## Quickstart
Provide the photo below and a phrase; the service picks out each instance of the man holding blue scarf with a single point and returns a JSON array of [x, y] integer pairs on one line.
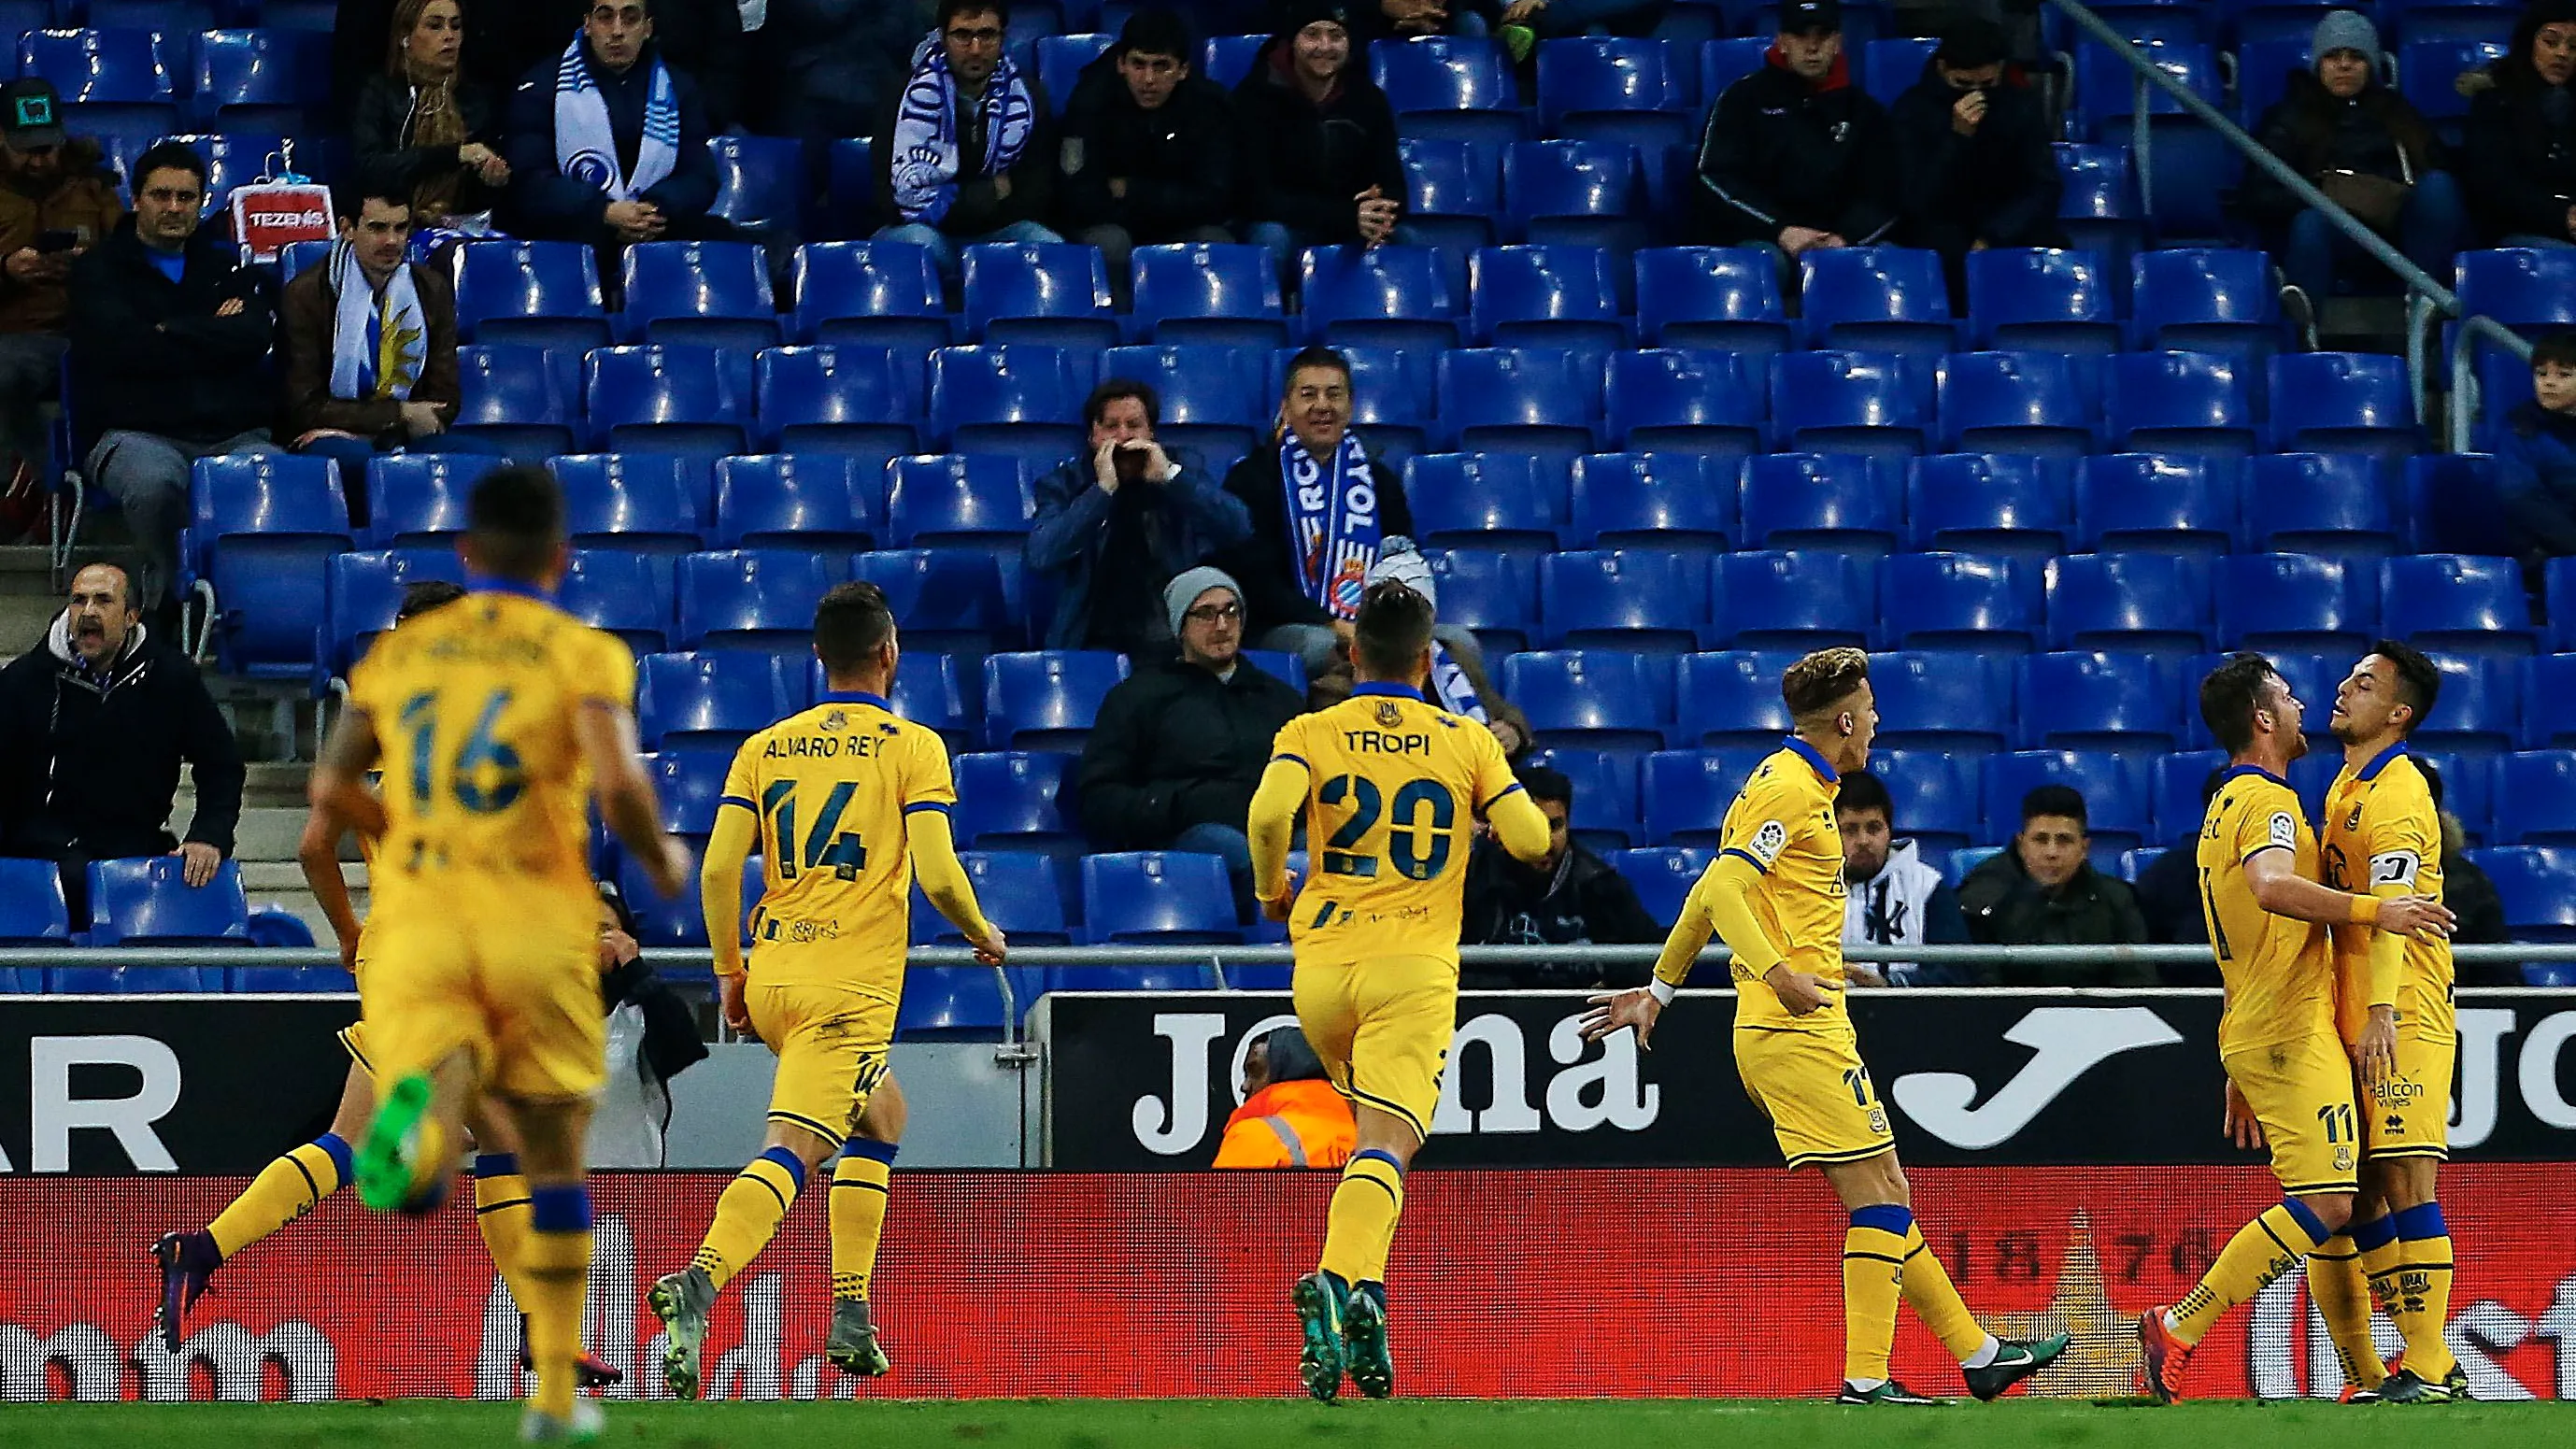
[[608, 143], [967, 152]]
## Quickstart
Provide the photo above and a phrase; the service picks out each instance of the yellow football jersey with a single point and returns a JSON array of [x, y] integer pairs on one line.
[[483, 780], [830, 789], [2279, 971], [1394, 786], [2382, 832], [1783, 822]]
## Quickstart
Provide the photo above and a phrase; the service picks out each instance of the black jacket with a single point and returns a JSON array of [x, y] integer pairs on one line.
[[1175, 746], [2518, 149], [1583, 900], [1779, 152], [2168, 893], [1178, 523], [2005, 907], [2375, 133], [151, 355], [2472, 897], [1265, 563], [1304, 165], [549, 204], [382, 137], [89, 764], [702, 37], [1177, 160], [977, 210], [1999, 185]]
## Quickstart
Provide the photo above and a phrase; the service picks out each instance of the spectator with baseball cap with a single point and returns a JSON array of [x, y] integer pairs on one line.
[[1796, 156], [1972, 149], [57, 200]]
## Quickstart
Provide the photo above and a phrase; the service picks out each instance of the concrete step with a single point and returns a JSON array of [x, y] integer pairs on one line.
[[286, 877], [268, 833]]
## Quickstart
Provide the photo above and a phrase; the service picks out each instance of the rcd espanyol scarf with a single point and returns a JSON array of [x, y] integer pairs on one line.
[[926, 161]]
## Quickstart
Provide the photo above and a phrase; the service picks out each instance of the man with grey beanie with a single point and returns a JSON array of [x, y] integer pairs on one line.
[[1179, 746]]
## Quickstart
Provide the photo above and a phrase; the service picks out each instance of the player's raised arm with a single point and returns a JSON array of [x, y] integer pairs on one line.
[[1272, 822], [605, 732], [2279, 888]]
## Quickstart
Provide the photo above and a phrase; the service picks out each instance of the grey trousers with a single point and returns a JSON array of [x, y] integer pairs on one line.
[[31, 375], [147, 475]]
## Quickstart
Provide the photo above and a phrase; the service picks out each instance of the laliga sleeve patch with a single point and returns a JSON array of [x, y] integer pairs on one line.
[[1768, 842], [2395, 867], [2285, 830]]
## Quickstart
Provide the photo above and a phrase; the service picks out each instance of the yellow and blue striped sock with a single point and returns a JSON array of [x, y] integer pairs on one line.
[[860, 1183], [285, 1190], [749, 1212]]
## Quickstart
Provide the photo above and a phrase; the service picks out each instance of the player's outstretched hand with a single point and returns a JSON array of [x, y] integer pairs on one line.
[[992, 950], [2238, 1123], [1613, 1011], [2422, 917], [1799, 991], [668, 868], [2375, 1054]]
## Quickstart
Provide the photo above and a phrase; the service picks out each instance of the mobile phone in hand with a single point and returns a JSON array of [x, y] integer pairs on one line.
[[57, 240]]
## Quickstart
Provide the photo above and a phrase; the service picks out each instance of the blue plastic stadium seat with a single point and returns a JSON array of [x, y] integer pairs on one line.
[[1020, 892], [2155, 603], [2042, 299], [2177, 402], [108, 78], [2535, 799], [2343, 402], [1456, 88], [1053, 293], [620, 592], [2454, 503], [1592, 699], [2549, 683], [680, 921], [823, 501], [1385, 296], [1725, 61], [2538, 884], [518, 398], [1679, 502], [2480, 711], [954, 499], [2177, 782], [1153, 897], [1962, 601], [1703, 402], [1833, 502], [711, 294], [1604, 815], [1489, 501], [826, 399], [1846, 402], [1540, 401], [1687, 792], [2297, 602], [2114, 787], [688, 784], [1216, 401], [2468, 789], [31, 907], [760, 182], [2010, 506], [422, 504], [1615, 90], [361, 591], [2428, 73], [265, 526], [1959, 703], [1791, 600], [1878, 299], [2486, 20], [2530, 289], [957, 1003], [539, 293], [1018, 800], [2098, 204], [1394, 402], [1585, 193], [1889, 66], [2263, 67], [613, 501], [1644, 599], [712, 700], [2194, 167], [1454, 191], [2156, 503], [2457, 604], [1663, 876], [1219, 296], [260, 80], [1061, 59], [753, 598], [870, 294], [145, 902], [1935, 794], [1227, 59], [2014, 402], [1546, 296], [2119, 703], [1719, 298], [2199, 299], [1046, 700], [1730, 700], [946, 599], [668, 399], [2330, 503], [1493, 594], [1024, 401]]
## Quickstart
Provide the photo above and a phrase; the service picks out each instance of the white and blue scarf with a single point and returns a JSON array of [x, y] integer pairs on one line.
[[1334, 521], [379, 344], [585, 142], [927, 158]]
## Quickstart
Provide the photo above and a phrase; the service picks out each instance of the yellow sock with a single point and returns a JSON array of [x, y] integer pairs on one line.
[[1873, 1278], [2422, 1303], [1361, 1227], [1929, 1292], [2380, 1257], [2342, 1296], [2261, 1251], [501, 1213], [557, 1257], [748, 1214], [859, 1187], [285, 1190]]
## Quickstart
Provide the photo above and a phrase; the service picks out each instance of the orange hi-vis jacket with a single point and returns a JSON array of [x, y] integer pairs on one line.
[[1289, 1124]]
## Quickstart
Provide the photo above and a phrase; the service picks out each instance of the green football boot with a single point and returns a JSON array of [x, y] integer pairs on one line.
[[681, 1301], [1372, 1366], [2015, 1359], [1320, 1299], [386, 1156], [852, 1344]]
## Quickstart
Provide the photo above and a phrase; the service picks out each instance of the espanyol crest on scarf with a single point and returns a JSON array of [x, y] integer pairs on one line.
[[1334, 513], [929, 156]]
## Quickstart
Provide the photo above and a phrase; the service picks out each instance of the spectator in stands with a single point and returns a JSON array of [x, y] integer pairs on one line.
[[608, 141], [2044, 892], [2536, 454], [966, 151], [94, 724], [1795, 156], [423, 131], [1895, 899], [1291, 1116], [1148, 151], [57, 200], [1458, 680], [1118, 522], [1178, 747], [2168, 893], [826, 67], [2520, 143], [1374, 20], [1572, 898], [368, 344], [1522, 24], [168, 335], [706, 36], [2369, 151], [2471, 895], [1972, 145], [1319, 160]]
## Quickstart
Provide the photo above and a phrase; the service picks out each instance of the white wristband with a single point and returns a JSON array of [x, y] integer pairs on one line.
[[1662, 990]]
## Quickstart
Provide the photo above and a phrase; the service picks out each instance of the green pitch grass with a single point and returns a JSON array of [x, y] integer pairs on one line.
[[1286, 1424]]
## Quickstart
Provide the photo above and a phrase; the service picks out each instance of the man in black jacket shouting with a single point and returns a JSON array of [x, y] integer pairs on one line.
[[94, 724], [1795, 155], [1178, 749]]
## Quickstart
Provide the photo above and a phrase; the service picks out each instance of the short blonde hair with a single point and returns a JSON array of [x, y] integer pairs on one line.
[[1823, 679]]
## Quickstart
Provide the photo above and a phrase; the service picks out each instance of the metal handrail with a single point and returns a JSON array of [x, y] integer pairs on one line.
[[2466, 397]]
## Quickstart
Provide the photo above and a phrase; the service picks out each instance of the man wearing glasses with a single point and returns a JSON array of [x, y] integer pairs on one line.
[[56, 199], [967, 151]]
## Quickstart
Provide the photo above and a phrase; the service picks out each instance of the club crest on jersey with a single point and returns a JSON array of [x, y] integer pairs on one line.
[[1388, 715], [836, 720]]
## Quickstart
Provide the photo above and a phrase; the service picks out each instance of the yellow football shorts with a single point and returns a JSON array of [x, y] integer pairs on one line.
[[2301, 1091], [2409, 1115], [515, 982], [1382, 1027], [353, 1037], [1812, 1086], [831, 1044]]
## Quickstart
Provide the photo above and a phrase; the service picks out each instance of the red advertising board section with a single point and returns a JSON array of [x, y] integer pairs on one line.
[[1704, 1283]]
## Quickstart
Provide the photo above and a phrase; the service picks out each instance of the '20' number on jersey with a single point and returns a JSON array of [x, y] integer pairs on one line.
[[827, 846], [485, 776], [1416, 846]]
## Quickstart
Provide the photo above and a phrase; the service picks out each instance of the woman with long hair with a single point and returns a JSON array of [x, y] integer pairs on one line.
[[2521, 139], [425, 131]]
